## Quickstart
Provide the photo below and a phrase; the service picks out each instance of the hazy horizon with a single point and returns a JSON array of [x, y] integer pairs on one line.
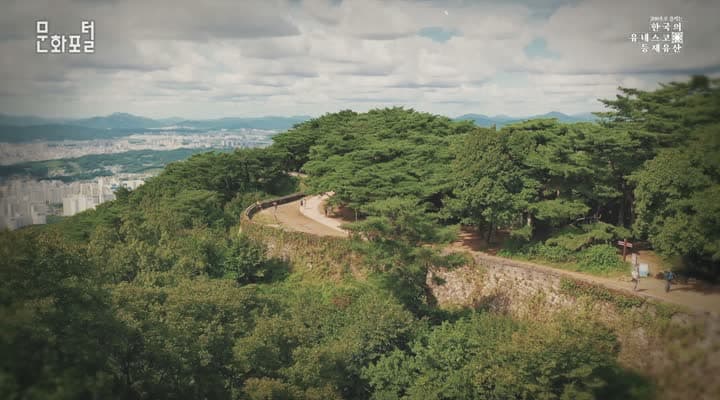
[[259, 116]]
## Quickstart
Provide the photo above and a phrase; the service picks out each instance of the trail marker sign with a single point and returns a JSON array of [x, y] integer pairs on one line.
[[625, 244]]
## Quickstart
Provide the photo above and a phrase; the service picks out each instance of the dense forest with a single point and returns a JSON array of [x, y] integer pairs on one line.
[[159, 294], [648, 171]]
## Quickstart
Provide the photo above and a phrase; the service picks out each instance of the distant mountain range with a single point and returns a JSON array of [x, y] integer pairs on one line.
[[501, 120], [26, 128]]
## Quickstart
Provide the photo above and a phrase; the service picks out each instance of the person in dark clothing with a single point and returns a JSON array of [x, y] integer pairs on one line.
[[669, 276]]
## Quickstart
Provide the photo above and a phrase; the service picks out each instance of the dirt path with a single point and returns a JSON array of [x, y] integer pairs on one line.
[[310, 218], [289, 216], [313, 208]]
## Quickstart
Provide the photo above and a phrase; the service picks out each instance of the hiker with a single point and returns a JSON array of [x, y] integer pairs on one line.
[[275, 205], [326, 211], [635, 276], [669, 276], [301, 202]]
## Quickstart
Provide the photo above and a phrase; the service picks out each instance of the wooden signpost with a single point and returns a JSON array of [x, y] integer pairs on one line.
[[625, 244]]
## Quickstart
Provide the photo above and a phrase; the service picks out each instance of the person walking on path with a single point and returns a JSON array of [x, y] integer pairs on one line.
[[669, 276], [301, 203], [635, 276]]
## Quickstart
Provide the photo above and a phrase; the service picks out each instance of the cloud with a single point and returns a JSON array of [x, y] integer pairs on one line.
[[178, 85], [538, 49], [419, 85], [375, 100], [438, 34], [229, 58], [367, 70], [606, 48]]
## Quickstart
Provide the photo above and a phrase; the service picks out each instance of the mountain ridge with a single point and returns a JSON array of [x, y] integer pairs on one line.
[[27, 128], [502, 120], [122, 120]]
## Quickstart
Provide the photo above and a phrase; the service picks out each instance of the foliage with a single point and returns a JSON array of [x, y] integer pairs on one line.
[[596, 259], [320, 337], [373, 156], [490, 187], [492, 357], [295, 144], [156, 294], [394, 240], [676, 187], [677, 201], [53, 314], [599, 293], [600, 259], [576, 238], [245, 261], [650, 164], [537, 250], [538, 175]]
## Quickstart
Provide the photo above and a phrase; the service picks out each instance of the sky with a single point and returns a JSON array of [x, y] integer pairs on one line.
[[210, 59]]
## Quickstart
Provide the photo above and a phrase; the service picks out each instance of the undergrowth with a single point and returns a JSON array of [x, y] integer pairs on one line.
[[582, 289], [601, 259]]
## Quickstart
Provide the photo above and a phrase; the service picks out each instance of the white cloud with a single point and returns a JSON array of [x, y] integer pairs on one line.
[[163, 58]]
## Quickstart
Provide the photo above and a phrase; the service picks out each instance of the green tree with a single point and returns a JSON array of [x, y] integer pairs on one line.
[[58, 329], [245, 261], [676, 175], [382, 154], [677, 202], [493, 357], [491, 188], [396, 240]]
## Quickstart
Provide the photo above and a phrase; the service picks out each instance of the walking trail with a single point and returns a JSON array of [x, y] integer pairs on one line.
[[311, 218], [307, 218]]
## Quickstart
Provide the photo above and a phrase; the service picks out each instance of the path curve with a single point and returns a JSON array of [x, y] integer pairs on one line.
[[290, 215], [312, 208], [310, 218]]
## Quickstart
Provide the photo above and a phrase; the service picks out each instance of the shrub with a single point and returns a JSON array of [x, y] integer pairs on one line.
[[536, 250], [551, 253], [245, 260], [599, 293], [515, 247], [600, 258]]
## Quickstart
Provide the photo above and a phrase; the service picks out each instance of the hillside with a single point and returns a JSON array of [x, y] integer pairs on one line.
[[170, 291]]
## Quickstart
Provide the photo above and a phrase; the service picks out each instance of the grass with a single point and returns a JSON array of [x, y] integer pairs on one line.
[[597, 260], [599, 293], [264, 219], [570, 266]]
